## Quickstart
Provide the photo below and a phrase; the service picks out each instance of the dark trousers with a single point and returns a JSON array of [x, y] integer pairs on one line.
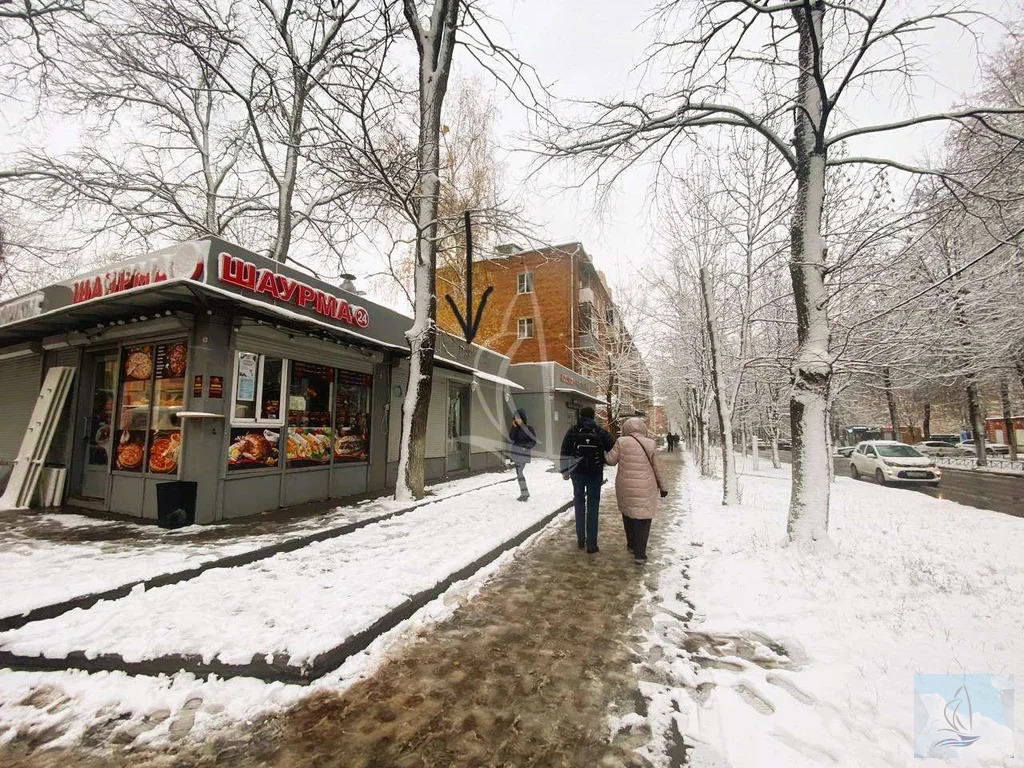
[[521, 478], [587, 497], [637, 533]]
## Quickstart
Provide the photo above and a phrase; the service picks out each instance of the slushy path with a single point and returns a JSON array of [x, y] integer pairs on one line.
[[525, 674]]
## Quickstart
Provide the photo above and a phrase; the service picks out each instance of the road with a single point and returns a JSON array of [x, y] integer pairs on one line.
[[999, 493]]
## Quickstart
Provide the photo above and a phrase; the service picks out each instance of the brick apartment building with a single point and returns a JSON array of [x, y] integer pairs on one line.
[[552, 304]]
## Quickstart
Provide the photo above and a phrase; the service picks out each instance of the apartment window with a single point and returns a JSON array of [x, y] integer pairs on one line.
[[524, 282], [584, 280], [586, 318], [525, 328], [609, 316]]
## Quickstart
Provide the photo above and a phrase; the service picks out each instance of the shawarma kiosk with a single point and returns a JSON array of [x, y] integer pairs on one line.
[[207, 363]]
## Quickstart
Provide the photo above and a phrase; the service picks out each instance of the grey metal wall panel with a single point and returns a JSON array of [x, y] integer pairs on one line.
[[20, 381], [248, 495], [126, 495], [300, 487], [434, 469], [348, 480], [270, 341]]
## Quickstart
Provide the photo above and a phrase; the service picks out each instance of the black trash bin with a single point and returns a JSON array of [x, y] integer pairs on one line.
[[176, 504]]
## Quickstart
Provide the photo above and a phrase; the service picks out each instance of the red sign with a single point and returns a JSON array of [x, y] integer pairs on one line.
[[579, 384], [217, 387], [155, 269], [244, 274], [197, 385]]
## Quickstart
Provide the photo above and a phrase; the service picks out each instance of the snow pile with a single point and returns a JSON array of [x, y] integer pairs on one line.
[[40, 570], [300, 603], [797, 658]]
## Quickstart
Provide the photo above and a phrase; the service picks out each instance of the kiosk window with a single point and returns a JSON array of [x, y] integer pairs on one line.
[[259, 385]]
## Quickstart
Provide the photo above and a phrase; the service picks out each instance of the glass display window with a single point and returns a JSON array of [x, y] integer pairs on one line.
[[308, 442], [258, 389], [352, 416], [152, 391]]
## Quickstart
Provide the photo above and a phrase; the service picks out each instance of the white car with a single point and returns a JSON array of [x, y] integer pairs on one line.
[[992, 449], [938, 448], [888, 461]]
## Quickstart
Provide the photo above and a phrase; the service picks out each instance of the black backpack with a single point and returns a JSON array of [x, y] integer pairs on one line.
[[588, 448]]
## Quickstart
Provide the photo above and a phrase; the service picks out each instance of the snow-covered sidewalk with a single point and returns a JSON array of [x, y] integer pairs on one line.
[[797, 658], [301, 604], [53, 558]]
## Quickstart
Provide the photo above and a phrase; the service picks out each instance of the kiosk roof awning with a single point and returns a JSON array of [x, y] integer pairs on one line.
[[578, 393], [492, 377]]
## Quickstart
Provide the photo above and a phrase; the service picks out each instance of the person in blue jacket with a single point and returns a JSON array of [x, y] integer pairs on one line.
[[522, 439], [582, 459]]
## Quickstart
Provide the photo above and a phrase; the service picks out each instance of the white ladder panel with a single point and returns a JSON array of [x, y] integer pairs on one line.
[[45, 418]]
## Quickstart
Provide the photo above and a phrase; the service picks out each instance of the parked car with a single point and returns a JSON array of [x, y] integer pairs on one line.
[[953, 440], [937, 448], [844, 451], [992, 449], [785, 445], [891, 462]]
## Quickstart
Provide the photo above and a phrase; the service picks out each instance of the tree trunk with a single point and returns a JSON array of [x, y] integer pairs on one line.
[[890, 400], [776, 461], [926, 426], [289, 176], [812, 367], [977, 422], [435, 46], [730, 486], [1010, 436], [755, 450]]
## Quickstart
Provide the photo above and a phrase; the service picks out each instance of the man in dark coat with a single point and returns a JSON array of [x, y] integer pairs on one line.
[[582, 459], [521, 438]]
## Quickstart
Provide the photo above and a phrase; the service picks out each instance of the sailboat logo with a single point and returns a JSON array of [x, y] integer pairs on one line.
[[955, 711]]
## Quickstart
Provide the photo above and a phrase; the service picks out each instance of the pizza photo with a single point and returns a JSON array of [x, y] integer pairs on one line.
[[163, 454], [139, 364], [177, 357], [129, 455]]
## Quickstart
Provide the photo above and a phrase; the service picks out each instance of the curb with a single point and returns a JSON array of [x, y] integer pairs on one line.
[[277, 670], [54, 610]]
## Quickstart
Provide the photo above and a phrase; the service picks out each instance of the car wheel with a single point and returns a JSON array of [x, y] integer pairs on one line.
[[879, 477], [933, 485], [853, 471]]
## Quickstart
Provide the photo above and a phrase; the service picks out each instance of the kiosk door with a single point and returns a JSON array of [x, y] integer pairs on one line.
[[98, 426], [458, 421]]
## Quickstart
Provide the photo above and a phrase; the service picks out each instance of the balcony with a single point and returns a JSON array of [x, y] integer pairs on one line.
[[586, 295], [587, 342]]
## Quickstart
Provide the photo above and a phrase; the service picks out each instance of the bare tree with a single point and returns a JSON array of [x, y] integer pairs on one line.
[[811, 56]]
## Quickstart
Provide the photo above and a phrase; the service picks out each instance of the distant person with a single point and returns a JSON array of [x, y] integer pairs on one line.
[[522, 439], [637, 484], [582, 459]]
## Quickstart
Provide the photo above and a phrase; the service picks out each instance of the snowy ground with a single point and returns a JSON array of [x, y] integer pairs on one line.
[[65, 708], [46, 559], [302, 603], [807, 659]]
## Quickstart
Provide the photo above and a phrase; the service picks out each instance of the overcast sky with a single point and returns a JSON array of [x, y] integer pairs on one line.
[[591, 49]]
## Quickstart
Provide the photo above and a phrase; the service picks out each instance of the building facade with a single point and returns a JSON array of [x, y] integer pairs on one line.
[[552, 305], [210, 365]]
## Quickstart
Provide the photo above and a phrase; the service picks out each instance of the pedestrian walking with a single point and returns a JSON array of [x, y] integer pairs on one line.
[[637, 484], [671, 440], [522, 439], [582, 460]]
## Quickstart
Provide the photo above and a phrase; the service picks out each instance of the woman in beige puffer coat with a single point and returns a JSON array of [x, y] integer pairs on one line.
[[637, 483]]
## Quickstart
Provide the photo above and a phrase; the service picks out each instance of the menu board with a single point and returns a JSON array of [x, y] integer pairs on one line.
[[253, 448], [308, 446], [352, 416], [133, 409], [171, 359]]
